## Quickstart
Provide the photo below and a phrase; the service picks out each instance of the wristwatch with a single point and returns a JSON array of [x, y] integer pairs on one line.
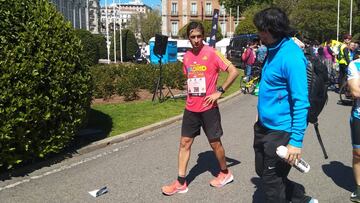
[[220, 89]]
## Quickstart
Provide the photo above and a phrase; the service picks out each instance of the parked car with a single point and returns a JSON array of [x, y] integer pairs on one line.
[[237, 46]]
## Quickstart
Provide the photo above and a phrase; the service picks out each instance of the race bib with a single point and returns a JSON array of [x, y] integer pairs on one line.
[[196, 84]]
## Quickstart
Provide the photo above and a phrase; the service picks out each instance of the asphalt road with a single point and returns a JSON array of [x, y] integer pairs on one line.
[[134, 170]]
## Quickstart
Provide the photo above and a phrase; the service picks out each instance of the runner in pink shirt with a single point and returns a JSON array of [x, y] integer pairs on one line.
[[202, 71], [201, 66]]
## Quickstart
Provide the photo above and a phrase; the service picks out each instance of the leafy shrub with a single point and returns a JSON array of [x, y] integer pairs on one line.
[[173, 76], [127, 79], [129, 45], [45, 91], [103, 77], [100, 42], [91, 47]]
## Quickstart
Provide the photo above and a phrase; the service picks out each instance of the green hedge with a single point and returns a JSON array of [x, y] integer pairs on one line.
[[45, 91], [94, 46], [127, 79], [129, 45]]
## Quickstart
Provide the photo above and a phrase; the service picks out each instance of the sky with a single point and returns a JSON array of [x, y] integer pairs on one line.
[[151, 3]]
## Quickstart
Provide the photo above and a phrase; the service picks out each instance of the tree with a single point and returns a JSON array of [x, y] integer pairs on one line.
[[242, 4], [146, 24], [247, 26], [317, 20]]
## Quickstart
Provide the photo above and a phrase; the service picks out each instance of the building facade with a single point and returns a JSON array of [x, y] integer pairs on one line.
[[83, 14], [121, 13], [177, 13]]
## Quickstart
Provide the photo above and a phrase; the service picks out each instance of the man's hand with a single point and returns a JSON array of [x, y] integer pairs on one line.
[[209, 100], [293, 154]]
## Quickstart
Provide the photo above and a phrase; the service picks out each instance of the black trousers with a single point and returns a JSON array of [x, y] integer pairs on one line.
[[342, 74], [272, 169]]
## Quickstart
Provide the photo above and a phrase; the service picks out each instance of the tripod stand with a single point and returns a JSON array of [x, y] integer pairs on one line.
[[158, 89], [316, 126]]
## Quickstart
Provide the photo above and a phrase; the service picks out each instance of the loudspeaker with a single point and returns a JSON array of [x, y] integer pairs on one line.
[[160, 44]]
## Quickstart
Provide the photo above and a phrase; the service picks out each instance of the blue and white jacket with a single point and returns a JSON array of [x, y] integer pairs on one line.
[[283, 92]]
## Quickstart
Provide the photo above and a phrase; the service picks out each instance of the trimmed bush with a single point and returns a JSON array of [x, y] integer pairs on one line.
[[129, 45], [100, 41], [127, 79], [90, 47], [45, 91]]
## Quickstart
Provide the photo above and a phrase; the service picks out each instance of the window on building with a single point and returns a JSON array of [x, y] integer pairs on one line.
[[193, 9], [174, 9], [222, 10], [174, 28], [208, 8]]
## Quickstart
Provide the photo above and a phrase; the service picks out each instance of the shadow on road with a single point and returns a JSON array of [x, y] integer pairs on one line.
[[207, 162], [341, 175], [98, 127]]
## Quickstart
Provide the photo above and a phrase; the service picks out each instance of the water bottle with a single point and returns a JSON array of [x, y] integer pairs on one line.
[[300, 165]]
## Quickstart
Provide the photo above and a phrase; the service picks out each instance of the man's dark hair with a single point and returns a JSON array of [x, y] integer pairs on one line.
[[347, 36], [275, 21], [195, 25]]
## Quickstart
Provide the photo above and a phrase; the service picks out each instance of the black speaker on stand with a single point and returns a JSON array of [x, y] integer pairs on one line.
[[160, 50]]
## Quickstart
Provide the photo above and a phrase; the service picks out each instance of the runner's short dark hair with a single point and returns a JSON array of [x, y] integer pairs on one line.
[[195, 25], [275, 21]]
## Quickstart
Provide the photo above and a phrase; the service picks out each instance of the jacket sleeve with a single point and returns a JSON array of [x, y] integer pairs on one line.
[[295, 70]]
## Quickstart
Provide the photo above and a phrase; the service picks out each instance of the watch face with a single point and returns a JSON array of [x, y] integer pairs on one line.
[[220, 89]]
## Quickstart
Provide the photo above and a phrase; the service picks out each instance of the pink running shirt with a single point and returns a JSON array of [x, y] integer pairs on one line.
[[202, 72]]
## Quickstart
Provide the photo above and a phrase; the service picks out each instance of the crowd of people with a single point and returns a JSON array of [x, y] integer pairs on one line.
[[283, 103]]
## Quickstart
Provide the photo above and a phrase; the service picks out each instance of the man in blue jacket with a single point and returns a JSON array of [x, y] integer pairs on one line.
[[282, 108]]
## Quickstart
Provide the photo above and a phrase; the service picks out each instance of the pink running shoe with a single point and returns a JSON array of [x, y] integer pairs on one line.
[[222, 179], [174, 187]]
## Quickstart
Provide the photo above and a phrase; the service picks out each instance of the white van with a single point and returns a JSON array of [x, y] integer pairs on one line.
[[182, 46]]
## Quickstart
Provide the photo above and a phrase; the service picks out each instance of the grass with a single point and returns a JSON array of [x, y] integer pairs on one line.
[[115, 119]]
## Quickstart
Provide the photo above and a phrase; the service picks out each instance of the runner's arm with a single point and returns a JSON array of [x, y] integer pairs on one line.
[[233, 73]]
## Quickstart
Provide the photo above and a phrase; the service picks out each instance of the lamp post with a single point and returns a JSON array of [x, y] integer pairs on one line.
[[107, 33], [351, 6], [121, 53], [338, 25], [114, 22]]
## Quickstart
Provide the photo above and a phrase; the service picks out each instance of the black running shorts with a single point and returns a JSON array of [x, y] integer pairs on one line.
[[355, 132], [209, 120]]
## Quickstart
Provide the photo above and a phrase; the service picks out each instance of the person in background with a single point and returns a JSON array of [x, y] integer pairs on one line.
[[282, 108], [328, 60], [352, 49], [248, 58], [202, 65], [261, 53], [343, 58], [353, 79]]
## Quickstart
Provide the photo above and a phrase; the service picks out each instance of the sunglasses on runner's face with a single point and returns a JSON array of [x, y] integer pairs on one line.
[[195, 36]]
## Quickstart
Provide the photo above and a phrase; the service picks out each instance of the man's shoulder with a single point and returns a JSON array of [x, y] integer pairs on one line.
[[355, 63]]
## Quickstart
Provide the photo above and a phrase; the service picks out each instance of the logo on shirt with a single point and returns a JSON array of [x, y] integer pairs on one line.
[[204, 58], [197, 68]]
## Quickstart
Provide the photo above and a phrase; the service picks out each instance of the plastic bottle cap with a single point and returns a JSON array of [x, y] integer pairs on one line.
[[281, 151]]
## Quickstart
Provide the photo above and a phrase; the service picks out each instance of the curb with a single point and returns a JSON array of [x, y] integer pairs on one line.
[[125, 136]]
